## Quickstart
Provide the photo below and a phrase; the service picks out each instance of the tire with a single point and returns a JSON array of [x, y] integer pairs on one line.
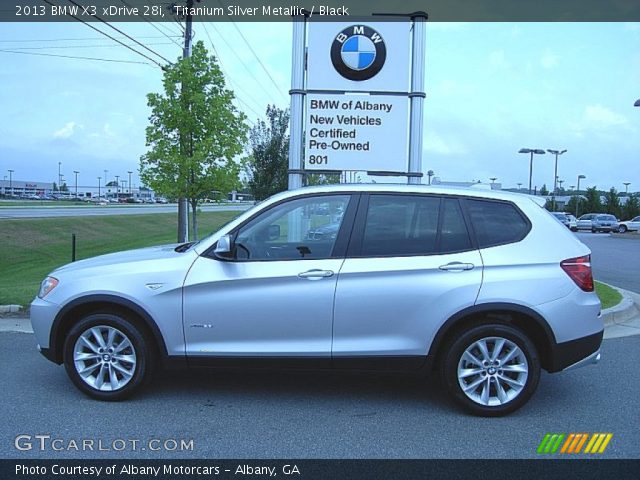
[[622, 229], [496, 392], [593, 230], [107, 357], [574, 229]]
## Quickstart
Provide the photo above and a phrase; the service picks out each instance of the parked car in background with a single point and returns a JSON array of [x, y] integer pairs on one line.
[[604, 223], [632, 225], [481, 287], [567, 220], [584, 222], [573, 222]]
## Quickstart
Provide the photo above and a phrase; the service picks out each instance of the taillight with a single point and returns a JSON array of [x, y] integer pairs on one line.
[[579, 269]]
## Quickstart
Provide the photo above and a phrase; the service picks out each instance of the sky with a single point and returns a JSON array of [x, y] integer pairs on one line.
[[492, 88]]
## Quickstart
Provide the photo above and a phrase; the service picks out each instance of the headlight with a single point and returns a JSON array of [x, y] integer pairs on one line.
[[46, 286]]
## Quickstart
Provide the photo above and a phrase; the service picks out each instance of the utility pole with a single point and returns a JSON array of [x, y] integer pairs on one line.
[[183, 211], [129, 172]]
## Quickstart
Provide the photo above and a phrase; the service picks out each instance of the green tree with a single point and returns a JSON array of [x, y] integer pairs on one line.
[[544, 191], [267, 165], [612, 202], [194, 134], [63, 187], [592, 203], [55, 187], [631, 209]]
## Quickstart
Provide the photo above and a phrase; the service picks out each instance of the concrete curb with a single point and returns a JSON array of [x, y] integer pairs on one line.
[[623, 319], [12, 309]]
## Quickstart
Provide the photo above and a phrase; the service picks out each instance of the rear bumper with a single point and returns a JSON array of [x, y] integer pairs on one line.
[[576, 353]]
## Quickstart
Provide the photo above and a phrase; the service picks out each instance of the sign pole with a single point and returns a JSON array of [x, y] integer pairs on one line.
[[417, 95], [297, 93]]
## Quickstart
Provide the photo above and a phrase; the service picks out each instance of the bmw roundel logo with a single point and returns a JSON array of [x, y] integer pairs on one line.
[[358, 52]]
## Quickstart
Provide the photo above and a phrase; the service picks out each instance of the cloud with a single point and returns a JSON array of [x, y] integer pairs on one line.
[[434, 143], [599, 120], [549, 59], [67, 131]]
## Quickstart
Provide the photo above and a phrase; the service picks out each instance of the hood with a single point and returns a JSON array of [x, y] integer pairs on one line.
[[128, 256]]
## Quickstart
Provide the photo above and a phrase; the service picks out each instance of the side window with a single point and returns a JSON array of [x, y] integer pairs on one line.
[[401, 225], [496, 223], [454, 236], [304, 228]]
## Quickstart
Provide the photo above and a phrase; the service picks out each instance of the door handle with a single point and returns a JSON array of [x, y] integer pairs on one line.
[[457, 267], [316, 274]]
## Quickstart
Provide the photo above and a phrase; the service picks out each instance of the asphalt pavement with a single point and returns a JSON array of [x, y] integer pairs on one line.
[[103, 210], [615, 260], [311, 415]]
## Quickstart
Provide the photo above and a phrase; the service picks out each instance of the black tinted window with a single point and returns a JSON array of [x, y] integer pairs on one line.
[[496, 223], [453, 234], [401, 225]]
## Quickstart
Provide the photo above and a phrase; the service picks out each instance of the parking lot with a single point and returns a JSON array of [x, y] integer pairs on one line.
[[615, 260]]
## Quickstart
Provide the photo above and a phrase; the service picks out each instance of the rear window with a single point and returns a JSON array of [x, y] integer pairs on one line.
[[497, 223]]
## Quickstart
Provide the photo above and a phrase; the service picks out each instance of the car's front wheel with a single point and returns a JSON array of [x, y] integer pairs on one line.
[[107, 356], [491, 370], [622, 229]]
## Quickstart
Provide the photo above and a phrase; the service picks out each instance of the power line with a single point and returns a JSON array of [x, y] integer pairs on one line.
[[31, 40], [112, 38], [236, 87], [240, 60], [255, 55], [77, 46], [75, 57], [152, 24], [122, 33]]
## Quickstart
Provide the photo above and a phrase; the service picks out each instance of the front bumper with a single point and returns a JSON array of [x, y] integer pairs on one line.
[[576, 353]]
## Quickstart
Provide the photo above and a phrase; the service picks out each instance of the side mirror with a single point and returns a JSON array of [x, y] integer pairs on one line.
[[224, 246], [274, 232]]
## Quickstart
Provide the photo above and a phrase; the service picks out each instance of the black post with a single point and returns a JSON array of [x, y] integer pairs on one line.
[[73, 247]]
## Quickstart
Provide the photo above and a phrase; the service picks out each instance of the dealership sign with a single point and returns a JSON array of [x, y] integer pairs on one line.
[[348, 57], [357, 110], [353, 132]]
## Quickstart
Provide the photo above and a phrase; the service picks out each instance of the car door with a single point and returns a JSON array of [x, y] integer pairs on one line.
[[274, 296], [411, 265]]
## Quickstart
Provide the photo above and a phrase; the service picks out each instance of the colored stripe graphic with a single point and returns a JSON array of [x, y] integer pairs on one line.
[[550, 443], [598, 442], [574, 442]]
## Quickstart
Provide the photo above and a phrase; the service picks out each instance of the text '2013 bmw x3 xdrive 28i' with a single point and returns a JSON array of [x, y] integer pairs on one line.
[[485, 288]]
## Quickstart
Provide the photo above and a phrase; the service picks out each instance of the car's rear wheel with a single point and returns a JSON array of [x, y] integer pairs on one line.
[[491, 370], [622, 229], [593, 230], [107, 356]]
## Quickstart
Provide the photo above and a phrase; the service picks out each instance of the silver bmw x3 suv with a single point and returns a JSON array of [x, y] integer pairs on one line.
[[484, 288]]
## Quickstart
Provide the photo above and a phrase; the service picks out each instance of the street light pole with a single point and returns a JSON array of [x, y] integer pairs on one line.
[[11, 181], [99, 178], [537, 151], [555, 175], [76, 172], [129, 172], [578, 193], [59, 175]]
